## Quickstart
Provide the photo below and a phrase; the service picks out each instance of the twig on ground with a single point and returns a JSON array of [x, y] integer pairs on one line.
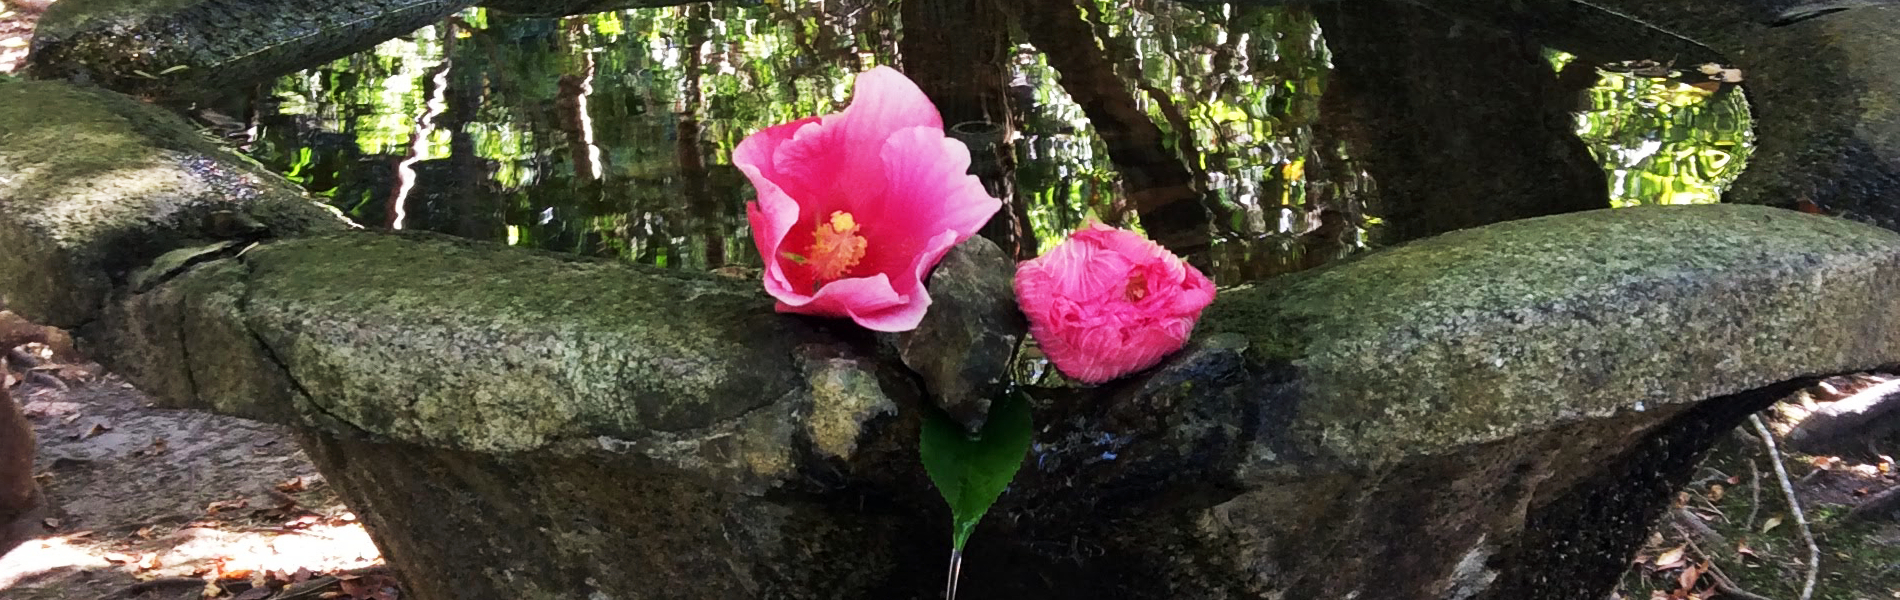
[[1691, 522], [1729, 590], [1754, 493], [1794, 505], [308, 588], [311, 588], [1723, 584], [153, 585]]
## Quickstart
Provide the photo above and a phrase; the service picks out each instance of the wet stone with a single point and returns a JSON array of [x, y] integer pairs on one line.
[[963, 347]]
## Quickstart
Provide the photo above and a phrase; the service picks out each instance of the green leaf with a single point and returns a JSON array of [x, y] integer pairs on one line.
[[972, 471]]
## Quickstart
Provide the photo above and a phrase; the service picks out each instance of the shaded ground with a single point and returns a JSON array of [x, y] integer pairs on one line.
[[1732, 533], [173, 499]]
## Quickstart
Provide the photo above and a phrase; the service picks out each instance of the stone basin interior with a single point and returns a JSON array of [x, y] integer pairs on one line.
[[610, 134]]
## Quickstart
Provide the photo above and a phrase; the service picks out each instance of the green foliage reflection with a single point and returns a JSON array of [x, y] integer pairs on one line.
[[1663, 141], [611, 134]]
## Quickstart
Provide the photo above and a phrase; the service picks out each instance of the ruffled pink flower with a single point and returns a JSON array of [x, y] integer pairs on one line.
[[855, 208], [1107, 302]]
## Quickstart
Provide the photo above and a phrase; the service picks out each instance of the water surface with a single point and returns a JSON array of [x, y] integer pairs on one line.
[[611, 134]]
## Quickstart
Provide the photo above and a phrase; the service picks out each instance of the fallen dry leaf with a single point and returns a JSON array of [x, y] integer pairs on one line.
[[1670, 558], [369, 587], [1685, 581], [291, 486], [222, 505], [1771, 523], [91, 432], [1715, 492]]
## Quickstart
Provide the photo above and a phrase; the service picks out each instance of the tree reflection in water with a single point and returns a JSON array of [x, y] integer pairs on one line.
[[610, 134]]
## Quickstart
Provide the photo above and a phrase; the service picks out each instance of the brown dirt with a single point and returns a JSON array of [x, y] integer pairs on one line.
[[16, 29], [153, 504], [177, 498]]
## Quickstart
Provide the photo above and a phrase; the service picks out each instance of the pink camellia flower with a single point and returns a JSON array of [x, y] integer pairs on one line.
[[855, 208], [1107, 302]]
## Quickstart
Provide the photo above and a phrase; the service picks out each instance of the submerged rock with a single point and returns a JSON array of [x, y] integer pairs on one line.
[[562, 8], [1817, 73], [1826, 102], [188, 49]]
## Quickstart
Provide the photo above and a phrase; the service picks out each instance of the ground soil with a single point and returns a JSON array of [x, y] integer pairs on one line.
[[153, 503]]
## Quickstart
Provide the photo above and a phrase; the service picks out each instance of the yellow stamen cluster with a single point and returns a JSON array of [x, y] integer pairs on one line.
[[1137, 287], [837, 247]]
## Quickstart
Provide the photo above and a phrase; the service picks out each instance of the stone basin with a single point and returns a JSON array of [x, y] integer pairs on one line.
[[1494, 413]]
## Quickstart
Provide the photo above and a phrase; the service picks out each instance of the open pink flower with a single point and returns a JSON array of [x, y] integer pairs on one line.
[[855, 208], [1107, 302]]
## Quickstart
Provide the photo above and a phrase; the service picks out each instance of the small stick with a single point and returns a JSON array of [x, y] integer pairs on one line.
[[308, 588], [1722, 583], [153, 586], [1754, 492], [1693, 524], [1794, 506]]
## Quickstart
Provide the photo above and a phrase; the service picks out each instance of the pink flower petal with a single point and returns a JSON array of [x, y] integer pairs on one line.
[[884, 161], [840, 298], [1106, 302], [884, 101], [771, 218], [929, 193]]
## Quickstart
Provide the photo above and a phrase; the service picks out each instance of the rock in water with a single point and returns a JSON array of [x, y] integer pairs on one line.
[[964, 344], [192, 49]]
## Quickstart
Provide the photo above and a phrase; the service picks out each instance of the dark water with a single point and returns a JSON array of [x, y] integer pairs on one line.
[[1206, 125]]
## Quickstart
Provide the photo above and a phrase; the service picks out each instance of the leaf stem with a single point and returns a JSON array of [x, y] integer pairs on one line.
[[956, 574]]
